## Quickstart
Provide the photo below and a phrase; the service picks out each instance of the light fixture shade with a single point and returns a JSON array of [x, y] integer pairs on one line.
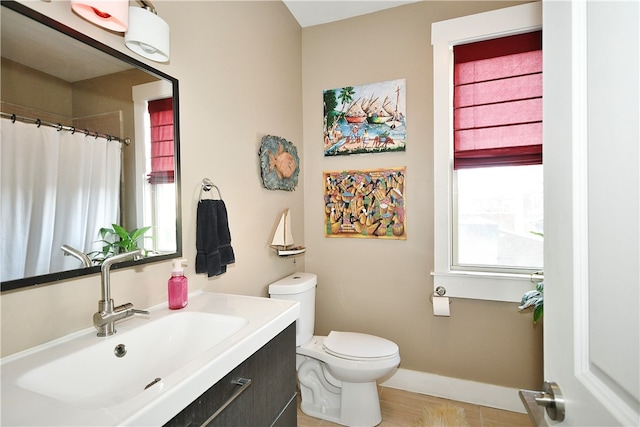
[[110, 14], [148, 35]]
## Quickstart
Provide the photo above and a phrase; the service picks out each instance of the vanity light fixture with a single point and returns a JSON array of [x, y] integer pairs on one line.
[[110, 14], [148, 34]]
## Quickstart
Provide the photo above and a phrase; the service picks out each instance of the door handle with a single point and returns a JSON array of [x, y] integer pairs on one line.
[[552, 400], [244, 383]]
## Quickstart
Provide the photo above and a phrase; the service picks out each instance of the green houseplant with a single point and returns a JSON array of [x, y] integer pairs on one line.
[[117, 240], [534, 301]]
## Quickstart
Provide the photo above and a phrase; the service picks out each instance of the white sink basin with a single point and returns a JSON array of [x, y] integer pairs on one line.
[[79, 381], [95, 377]]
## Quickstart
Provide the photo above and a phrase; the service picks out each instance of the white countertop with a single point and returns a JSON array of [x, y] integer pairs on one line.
[[157, 405]]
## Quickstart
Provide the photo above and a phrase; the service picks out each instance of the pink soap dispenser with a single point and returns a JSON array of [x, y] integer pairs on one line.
[[178, 287]]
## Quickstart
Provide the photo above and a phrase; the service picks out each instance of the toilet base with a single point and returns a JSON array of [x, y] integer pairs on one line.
[[359, 405], [362, 403], [340, 390]]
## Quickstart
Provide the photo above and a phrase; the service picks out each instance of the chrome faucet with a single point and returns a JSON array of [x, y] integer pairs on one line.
[[107, 315], [81, 256]]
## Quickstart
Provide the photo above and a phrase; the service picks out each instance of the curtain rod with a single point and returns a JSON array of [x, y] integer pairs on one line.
[[58, 126]]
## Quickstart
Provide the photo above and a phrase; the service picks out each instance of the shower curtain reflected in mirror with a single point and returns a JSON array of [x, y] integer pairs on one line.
[[57, 188]]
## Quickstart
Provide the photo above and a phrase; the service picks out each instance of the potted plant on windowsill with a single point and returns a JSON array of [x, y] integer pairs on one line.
[[534, 301], [117, 240]]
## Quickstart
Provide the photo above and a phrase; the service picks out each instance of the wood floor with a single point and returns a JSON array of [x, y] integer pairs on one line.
[[403, 409]]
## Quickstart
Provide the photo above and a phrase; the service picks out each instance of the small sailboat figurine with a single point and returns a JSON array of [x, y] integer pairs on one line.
[[282, 241]]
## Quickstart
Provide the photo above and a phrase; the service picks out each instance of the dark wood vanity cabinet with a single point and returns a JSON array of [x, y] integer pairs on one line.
[[270, 399]]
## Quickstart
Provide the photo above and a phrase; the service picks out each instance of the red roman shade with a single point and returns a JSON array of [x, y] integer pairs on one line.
[[162, 162], [497, 103]]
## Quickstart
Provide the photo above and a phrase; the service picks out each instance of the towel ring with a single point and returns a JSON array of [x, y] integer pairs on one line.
[[208, 185]]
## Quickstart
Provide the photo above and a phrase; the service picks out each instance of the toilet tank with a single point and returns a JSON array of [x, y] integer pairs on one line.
[[299, 287]]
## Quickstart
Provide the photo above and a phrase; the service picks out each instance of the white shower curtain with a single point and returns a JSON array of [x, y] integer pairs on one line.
[[57, 188]]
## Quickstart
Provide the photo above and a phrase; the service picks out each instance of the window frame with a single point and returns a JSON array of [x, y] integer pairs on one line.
[[146, 199], [444, 35]]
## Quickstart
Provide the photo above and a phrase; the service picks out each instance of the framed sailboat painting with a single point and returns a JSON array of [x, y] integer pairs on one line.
[[369, 118]]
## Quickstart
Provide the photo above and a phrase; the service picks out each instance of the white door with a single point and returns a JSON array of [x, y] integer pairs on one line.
[[592, 190]]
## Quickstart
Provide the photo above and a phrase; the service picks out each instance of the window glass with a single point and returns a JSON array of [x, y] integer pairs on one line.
[[499, 218], [164, 222]]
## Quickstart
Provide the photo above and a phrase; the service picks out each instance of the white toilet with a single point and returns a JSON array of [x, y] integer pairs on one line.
[[337, 374]]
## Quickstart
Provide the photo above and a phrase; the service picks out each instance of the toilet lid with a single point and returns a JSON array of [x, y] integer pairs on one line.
[[353, 344]]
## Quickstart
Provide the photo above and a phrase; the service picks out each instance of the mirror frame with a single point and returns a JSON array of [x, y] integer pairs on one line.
[[51, 278]]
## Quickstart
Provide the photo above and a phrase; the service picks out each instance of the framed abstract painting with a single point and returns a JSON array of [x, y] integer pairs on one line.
[[365, 203]]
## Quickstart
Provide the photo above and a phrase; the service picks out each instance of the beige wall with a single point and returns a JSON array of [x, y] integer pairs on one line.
[[382, 287], [246, 69], [32, 89]]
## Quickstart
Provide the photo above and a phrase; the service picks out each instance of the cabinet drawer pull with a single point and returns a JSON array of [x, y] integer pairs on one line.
[[244, 384]]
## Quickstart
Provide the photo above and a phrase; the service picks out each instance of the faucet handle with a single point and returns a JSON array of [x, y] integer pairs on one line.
[[129, 310]]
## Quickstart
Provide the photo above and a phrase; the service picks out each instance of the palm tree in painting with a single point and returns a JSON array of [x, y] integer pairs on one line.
[[346, 96], [330, 103]]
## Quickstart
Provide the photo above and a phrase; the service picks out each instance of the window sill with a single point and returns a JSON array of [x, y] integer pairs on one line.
[[485, 286]]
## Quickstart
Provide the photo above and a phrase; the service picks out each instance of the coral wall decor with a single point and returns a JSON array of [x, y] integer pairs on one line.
[[279, 163], [365, 203], [365, 119]]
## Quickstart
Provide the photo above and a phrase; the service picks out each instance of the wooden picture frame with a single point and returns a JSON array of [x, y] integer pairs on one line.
[[365, 203]]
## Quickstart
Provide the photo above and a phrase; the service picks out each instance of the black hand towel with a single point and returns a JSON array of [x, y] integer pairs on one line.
[[213, 239], [224, 236]]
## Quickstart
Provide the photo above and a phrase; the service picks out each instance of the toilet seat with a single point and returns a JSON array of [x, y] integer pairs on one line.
[[357, 346], [316, 349]]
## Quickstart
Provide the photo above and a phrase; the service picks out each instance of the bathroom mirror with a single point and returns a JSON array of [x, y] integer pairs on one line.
[[76, 85]]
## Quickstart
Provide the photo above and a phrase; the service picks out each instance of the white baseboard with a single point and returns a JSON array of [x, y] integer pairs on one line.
[[490, 395]]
